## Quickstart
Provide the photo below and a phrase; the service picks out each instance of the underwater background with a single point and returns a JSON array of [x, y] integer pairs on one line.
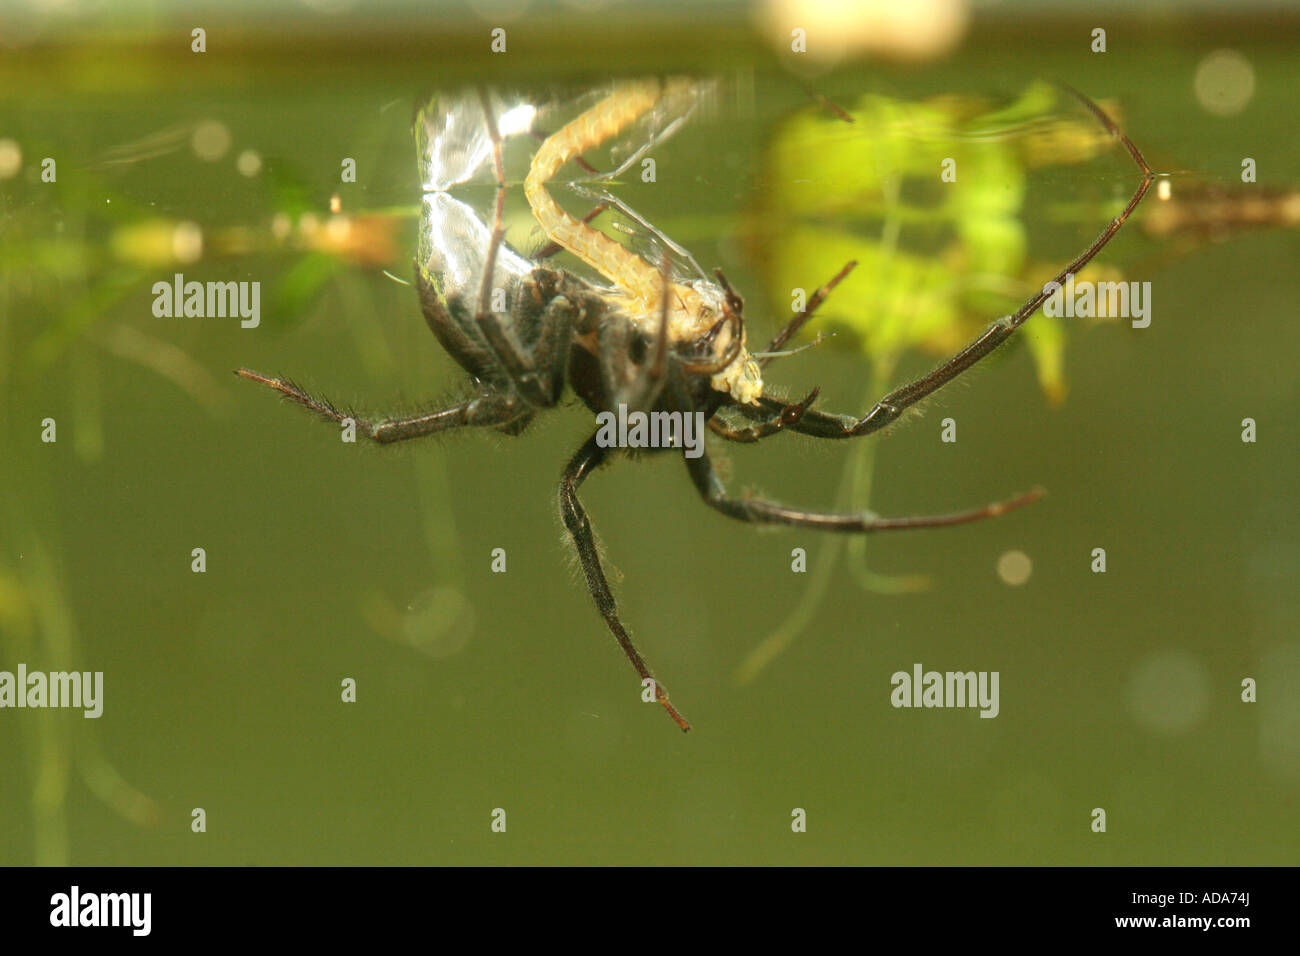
[[478, 690]]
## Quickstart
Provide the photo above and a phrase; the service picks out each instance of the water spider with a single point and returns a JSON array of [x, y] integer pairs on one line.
[[524, 330]]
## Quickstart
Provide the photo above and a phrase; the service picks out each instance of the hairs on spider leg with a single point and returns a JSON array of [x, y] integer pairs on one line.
[[325, 407], [573, 560]]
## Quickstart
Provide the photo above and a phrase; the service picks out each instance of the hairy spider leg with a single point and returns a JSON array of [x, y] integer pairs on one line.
[[765, 426], [787, 415], [490, 410], [761, 511], [640, 388], [588, 458], [886, 411], [801, 319]]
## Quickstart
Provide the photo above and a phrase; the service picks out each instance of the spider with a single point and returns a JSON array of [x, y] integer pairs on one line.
[[651, 343]]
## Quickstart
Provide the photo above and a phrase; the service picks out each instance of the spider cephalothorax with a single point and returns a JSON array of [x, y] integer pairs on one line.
[[650, 342]]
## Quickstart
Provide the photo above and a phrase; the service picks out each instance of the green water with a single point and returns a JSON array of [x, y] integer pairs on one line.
[[478, 690]]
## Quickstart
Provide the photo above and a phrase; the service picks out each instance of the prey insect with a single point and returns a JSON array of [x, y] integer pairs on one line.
[[651, 341]]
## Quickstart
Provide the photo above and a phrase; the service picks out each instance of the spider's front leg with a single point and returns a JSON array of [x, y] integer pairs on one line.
[[779, 415], [786, 416], [892, 406], [588, 458], [762, 511]]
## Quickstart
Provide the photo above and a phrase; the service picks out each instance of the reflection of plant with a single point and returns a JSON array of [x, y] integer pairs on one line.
[[71, 258], [137, 247], [37, 628], [60, 283], [937, 260]]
